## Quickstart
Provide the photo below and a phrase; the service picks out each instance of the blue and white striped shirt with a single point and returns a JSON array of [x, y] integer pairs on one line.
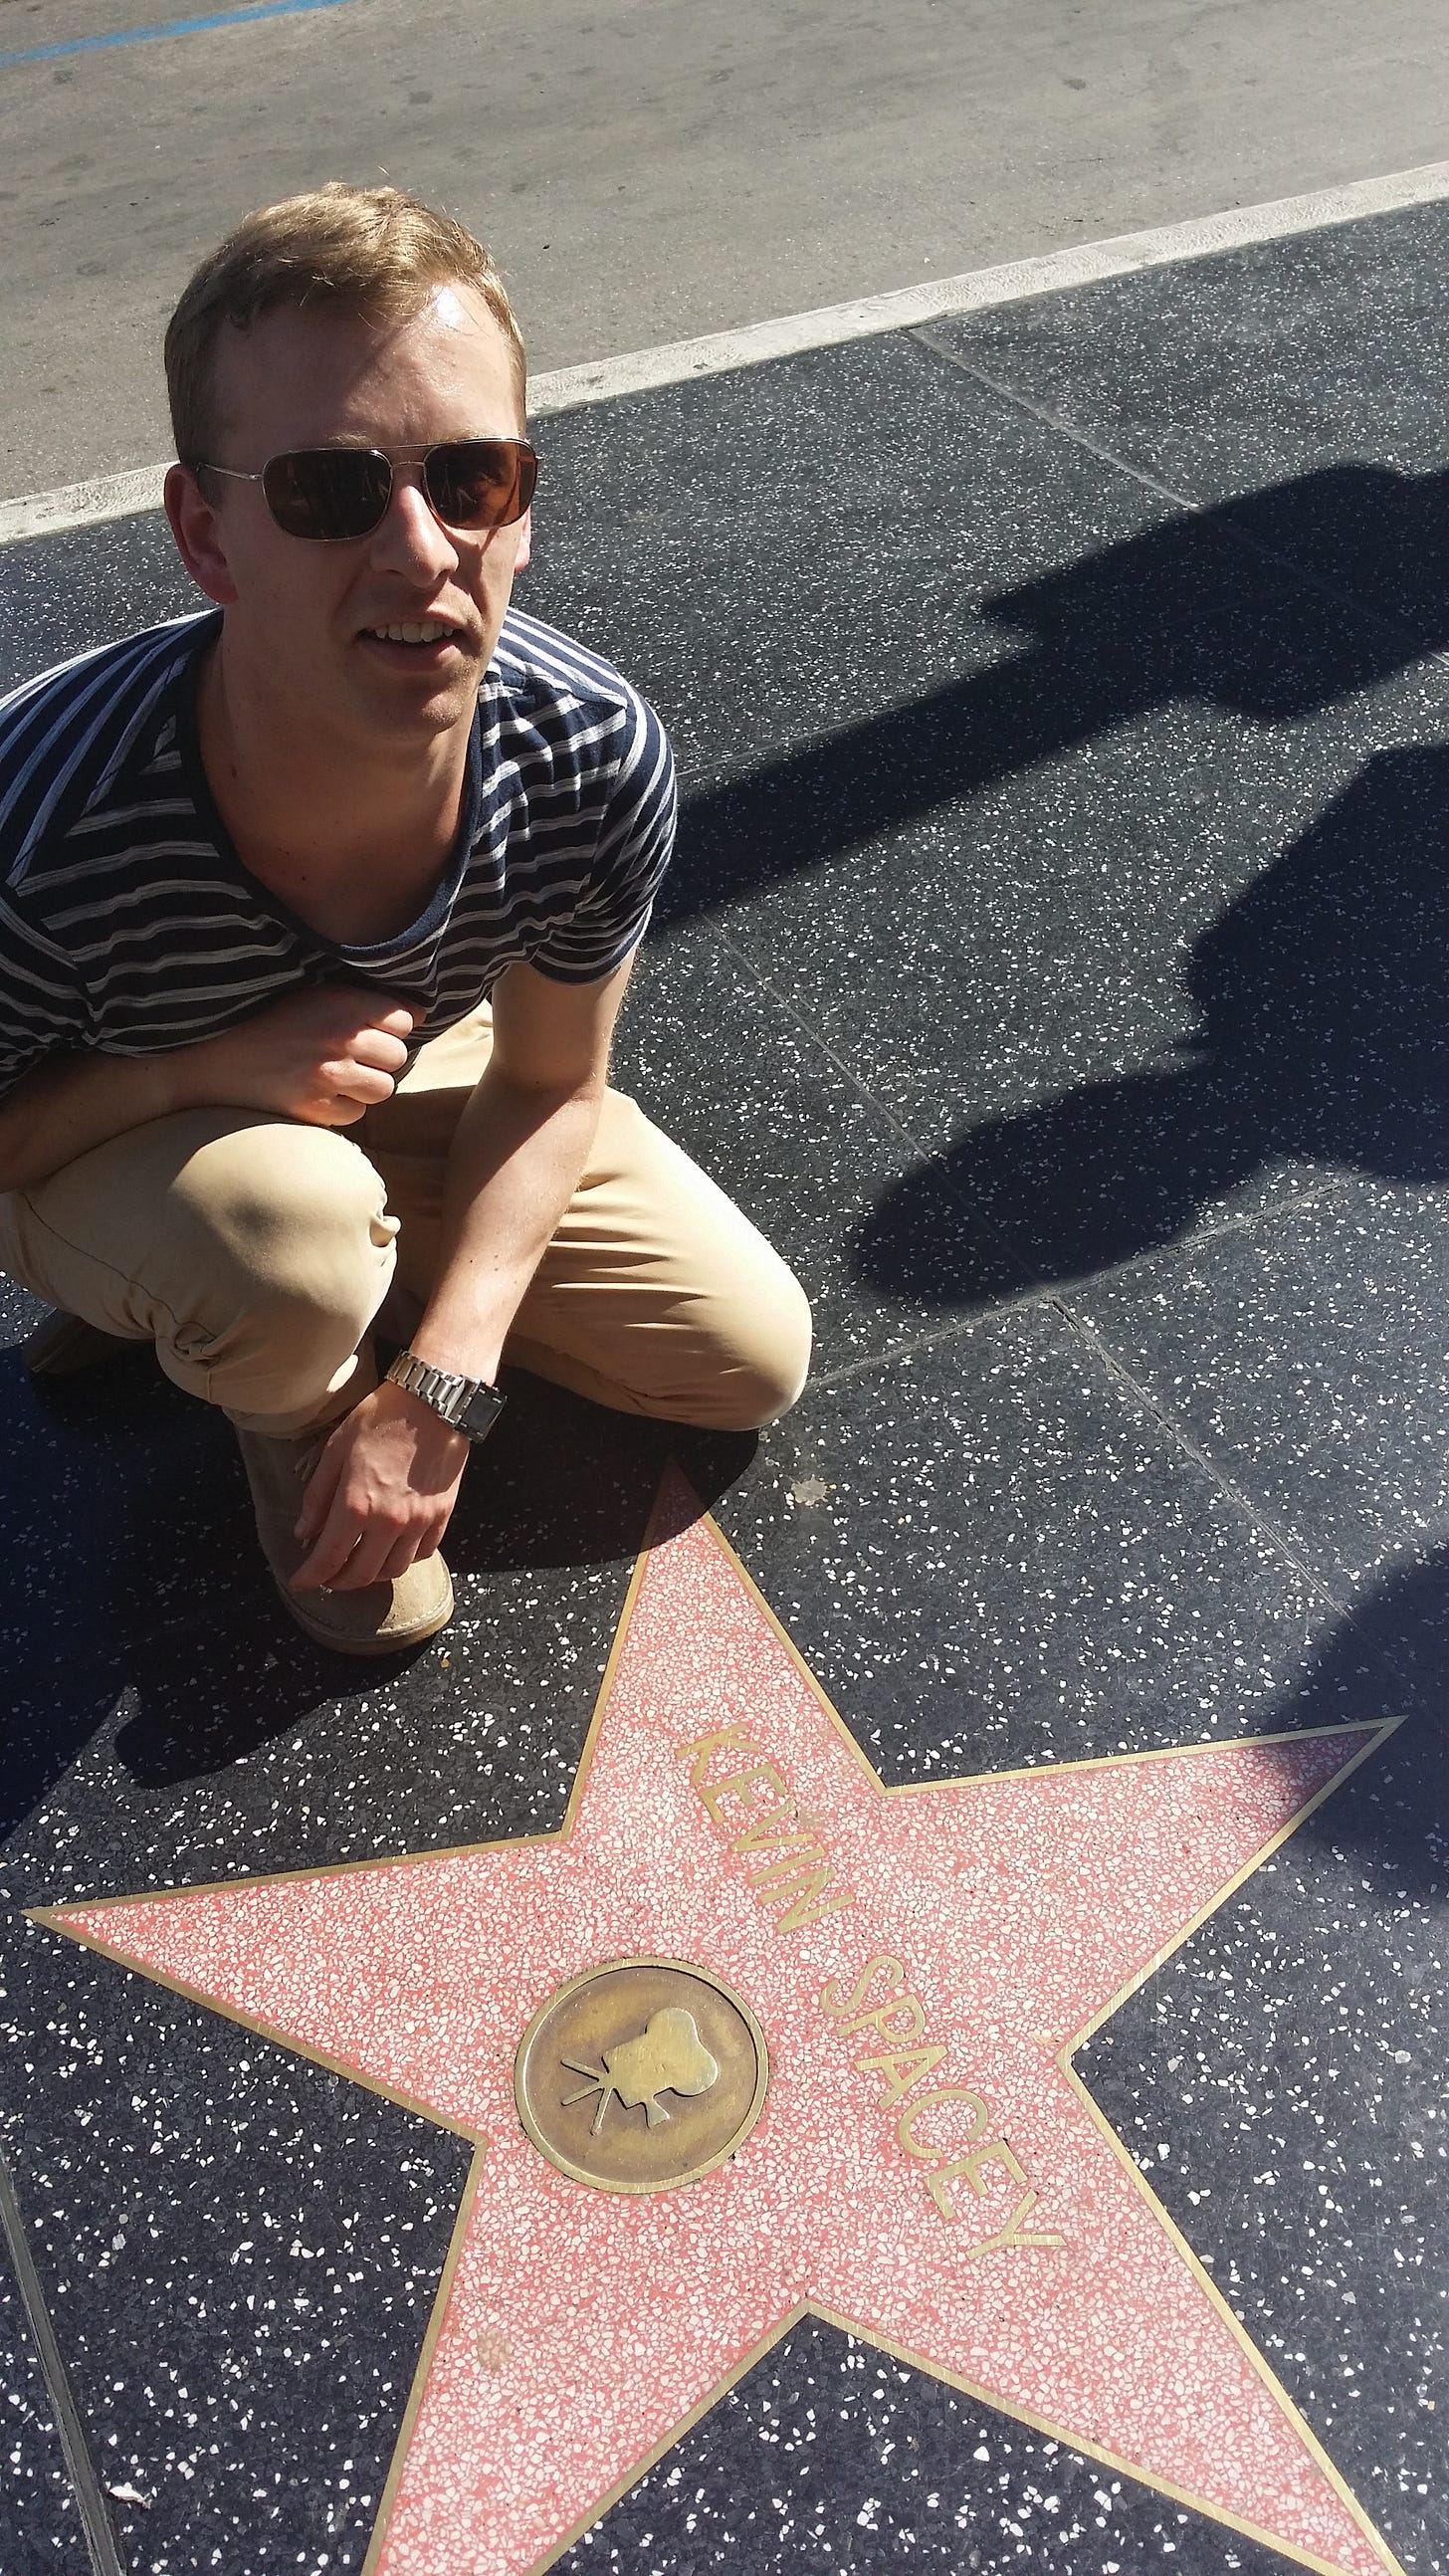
[[129, 925]]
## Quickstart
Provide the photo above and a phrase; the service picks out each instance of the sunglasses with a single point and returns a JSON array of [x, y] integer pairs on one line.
[[332, 493]]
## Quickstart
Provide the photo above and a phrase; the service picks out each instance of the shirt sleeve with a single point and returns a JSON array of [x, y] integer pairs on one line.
[[636, 840], [41, 1006]]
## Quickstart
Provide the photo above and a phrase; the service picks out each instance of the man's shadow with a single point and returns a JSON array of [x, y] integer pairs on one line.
[[1322, 997]]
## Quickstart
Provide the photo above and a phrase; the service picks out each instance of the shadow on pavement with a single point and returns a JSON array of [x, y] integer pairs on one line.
[[1393, 1812], [1323, 994], [138, 1589], [1196, 608]]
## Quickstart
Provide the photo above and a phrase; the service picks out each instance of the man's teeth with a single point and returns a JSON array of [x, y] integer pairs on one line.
[[430, 632]]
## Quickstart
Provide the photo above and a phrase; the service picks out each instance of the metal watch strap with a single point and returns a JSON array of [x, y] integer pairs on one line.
[[456, 1399]]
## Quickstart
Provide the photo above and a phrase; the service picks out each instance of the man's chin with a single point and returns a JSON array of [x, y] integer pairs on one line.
[[417, 702]]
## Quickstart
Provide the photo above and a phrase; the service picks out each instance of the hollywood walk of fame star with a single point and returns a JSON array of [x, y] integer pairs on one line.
[[927, 2169]]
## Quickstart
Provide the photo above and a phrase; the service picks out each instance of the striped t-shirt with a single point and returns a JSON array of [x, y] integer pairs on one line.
[[129, 925]]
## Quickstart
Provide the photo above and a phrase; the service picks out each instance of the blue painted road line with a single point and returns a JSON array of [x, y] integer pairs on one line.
[[171, 27]]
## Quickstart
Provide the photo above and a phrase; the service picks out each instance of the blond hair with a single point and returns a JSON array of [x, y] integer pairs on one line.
[[373, 251]]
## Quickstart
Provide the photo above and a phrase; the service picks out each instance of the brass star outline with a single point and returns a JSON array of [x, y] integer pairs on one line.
[[691, 1636]]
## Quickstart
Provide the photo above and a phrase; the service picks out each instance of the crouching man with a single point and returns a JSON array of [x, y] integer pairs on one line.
[[316, 912]]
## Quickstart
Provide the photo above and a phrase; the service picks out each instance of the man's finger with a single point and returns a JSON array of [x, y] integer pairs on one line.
[[412, 1545], [384, 1048], [370, 1561], [329, 1563], [367, 1084]]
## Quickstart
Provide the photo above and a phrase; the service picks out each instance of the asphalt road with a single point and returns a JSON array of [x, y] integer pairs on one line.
[[649, 169]]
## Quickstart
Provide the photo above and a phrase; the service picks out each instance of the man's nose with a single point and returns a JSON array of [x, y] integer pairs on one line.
[[408, 529]]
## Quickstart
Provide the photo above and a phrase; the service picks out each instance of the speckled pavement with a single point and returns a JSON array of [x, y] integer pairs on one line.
[[1054, 965]]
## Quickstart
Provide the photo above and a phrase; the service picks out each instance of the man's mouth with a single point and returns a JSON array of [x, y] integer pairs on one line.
[[425, 630]]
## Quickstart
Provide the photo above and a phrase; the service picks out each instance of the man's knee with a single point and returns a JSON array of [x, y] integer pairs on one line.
[[292, 1216], [762, 1368], [289, 1250]]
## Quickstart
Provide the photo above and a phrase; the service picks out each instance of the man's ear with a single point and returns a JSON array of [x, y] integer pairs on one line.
[[525, 541], [197, 530]]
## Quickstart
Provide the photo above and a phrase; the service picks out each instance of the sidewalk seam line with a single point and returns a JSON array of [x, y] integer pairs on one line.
[[1049, 1294], [100, 2539], [1218, 513], [1180, 1437], [905, 1135], [1043, 1295]]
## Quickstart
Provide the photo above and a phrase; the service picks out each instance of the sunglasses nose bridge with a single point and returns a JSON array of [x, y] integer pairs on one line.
[[410, 506]]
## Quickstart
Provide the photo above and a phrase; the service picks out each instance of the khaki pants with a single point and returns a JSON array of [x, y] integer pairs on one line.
[[256, 1251]]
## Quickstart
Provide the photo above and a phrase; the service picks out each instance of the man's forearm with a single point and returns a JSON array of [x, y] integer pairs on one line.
[[72, 1103], [322, 1055], [516, 1160]]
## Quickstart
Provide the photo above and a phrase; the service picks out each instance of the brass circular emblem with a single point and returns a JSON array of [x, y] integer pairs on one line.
[[640, 2075]]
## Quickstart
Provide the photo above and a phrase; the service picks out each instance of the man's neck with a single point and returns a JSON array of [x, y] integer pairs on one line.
[[352, 838]]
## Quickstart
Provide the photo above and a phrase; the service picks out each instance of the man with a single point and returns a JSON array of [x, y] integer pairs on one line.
[[316, 912]]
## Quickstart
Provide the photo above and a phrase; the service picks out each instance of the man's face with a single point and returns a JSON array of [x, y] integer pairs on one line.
[[305, 621]]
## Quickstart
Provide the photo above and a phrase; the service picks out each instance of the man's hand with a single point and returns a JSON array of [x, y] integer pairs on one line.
[[380, 1494], [324, 1056]]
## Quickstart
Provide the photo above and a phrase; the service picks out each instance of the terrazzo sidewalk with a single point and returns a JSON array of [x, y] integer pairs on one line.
[[1032, 1749]]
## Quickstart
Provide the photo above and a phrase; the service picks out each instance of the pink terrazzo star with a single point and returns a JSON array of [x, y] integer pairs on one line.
[[927, 2170]]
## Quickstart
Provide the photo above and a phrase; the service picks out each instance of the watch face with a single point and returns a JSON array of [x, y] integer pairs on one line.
[[481, 1411]]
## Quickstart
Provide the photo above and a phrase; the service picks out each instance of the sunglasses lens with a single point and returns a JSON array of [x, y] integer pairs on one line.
[[328, 491], [481, 482]]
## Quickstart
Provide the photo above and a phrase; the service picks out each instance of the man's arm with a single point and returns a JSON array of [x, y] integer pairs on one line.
[[70, 1102], [324, 1056], [388, 1478], [517, 1157]]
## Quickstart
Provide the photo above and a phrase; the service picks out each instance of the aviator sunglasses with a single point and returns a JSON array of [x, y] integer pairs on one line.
[[331, 493]]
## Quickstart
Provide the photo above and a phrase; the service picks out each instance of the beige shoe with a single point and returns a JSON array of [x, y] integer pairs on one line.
[[62, 1345], [381, 1619]]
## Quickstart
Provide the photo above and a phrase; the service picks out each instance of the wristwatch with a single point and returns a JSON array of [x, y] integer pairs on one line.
[[468, 1404]]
